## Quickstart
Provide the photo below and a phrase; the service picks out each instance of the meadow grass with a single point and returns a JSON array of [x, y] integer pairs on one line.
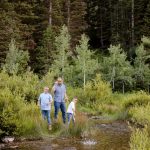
[[139, 139]]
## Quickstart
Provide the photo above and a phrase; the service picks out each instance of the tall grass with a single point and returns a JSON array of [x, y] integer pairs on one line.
[[81, 125], [19, 118], [141, 114], [140, 140]]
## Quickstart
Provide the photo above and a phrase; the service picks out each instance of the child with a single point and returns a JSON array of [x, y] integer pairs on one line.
[[71, 110], [45, 101]]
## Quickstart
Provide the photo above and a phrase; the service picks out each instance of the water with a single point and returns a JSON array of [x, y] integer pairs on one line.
[[105, 136]]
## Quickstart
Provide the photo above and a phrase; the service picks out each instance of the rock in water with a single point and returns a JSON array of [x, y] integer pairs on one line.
[[8, 139], [2, 146]]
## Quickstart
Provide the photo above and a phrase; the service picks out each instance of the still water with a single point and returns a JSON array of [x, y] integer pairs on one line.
[[106, 136]]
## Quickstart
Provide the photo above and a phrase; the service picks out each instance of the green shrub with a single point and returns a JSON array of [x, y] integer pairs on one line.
[[139, 140], [138, 98], [17, 117], [95, 92], [10, 106], [25, 85], [47, 80], [140, 114]]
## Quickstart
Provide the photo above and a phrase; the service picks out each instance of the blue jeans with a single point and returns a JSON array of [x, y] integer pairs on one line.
[[62, 107], [46, 116], [70, 116]]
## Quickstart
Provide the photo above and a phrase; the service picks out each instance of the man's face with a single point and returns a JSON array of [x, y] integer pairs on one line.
[[46, 90], [59, 81]]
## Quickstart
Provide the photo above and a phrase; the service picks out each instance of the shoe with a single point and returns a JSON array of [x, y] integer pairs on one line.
[[49, 127]]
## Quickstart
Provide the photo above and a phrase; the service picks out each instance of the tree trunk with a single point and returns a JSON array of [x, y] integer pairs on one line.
[[50, 12], [63, 63], [84, 78], [101, 27], [113, 80], [132, 24], [68, 14], [123, 87], [148, 87]]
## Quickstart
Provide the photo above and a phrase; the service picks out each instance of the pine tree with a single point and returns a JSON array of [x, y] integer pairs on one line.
[[146, 26], [45, 52], [77, 23], [9, 28], [62, 43], [141, 68], [117, 68], [85, 63], [16, 61]]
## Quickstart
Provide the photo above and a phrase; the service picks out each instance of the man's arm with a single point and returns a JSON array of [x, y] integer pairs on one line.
[[53, 89], [66, 97]]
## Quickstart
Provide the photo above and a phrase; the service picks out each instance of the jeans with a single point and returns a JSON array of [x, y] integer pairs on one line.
[[62, 107], [70, 116], [46, 116]]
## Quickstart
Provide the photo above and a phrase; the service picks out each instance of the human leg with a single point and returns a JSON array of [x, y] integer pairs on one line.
[[57, 106], [69, 116], [63, 110], [43, 114], [48, 116]]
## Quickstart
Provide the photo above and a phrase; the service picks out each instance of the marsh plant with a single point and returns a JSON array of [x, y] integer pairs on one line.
[[139, 139]]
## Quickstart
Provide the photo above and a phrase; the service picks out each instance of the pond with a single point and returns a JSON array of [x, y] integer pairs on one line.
[[108, 135]]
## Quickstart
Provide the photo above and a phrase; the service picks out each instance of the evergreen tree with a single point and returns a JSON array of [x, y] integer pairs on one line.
[[62, 43], [142, 70], [86, 65], [146, 26], [46, 52], [9, 28], [98, 20], [117, 68], [77, 23], [16, 60]]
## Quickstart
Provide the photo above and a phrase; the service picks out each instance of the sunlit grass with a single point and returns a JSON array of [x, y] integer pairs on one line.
[[139, 140]]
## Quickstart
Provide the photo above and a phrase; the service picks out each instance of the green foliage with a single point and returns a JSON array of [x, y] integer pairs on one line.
[[46, 51], [16, 60], [116, 67], [25, 85], [62, 43], [85, 64], [139, 140], [141, 69], [76, 130], [140, 114], [18, 118], [97, 90], [138, 98], [19, 114]]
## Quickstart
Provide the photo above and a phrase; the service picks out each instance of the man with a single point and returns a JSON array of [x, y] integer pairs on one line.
[[45, 101], [60, 96]]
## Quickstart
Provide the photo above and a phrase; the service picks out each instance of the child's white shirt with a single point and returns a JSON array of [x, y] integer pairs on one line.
[[71, 107]]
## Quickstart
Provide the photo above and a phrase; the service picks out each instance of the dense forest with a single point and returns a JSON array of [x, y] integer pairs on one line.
[[35, 25], [105, 22]]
